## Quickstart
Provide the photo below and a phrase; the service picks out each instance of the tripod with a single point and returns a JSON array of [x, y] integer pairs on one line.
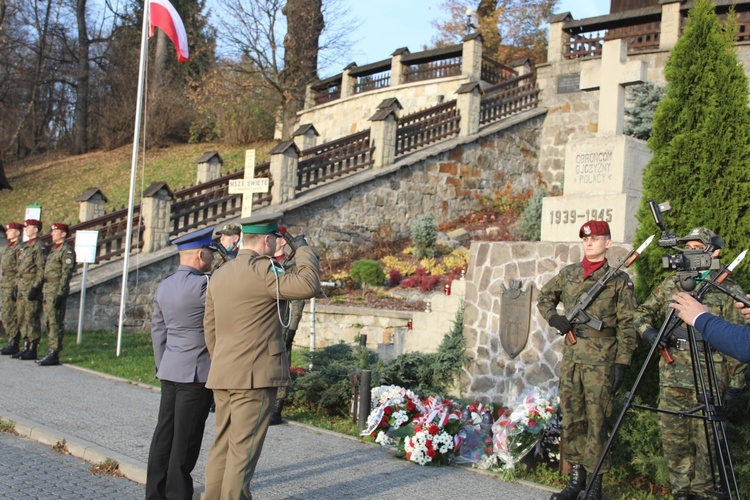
[[708, 404]]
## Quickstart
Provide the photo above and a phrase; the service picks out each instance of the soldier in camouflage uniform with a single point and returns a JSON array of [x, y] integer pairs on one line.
[[58, 269], [8, 287], [29, 281], [295, 315], [229, 239], [592, 369], [684, 440]]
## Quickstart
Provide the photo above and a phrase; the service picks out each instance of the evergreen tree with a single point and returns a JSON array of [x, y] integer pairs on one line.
[[639, 114], [701, 144]]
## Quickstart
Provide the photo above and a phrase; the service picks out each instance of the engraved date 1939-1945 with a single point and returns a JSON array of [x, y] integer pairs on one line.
[[573, 216]]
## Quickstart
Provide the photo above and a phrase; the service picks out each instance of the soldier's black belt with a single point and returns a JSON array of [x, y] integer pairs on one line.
[[681, 333], [684, 345], [590, 333]]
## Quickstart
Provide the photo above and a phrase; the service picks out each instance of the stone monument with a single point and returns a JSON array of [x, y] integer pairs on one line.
[[602, 174]]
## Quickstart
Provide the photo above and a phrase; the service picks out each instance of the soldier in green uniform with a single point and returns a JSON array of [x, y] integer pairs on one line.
[[286, 259], [594, 367], [229, 239], [684, 440], [58, 269], [29, 281], [8, 287]]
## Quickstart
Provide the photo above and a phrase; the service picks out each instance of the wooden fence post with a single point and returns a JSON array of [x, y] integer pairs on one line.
[[156, 212], [383, 136], [283, 171]]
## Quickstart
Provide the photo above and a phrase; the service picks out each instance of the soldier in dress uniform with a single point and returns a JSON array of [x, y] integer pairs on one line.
[[230, 241], [29, 280], [244, 330], [182, 364], [684, 440], [9, 289], [58, 269], [594, 367]]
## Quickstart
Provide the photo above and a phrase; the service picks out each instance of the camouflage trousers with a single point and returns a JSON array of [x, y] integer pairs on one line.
[[585, 404], [28, 314], [54, 319], [9, 314], [684, 439]]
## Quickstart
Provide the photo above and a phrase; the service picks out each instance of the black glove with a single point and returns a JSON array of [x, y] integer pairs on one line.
[[561, 323], [33, 294], [296, 242], [58, 302], [731, 398], [14, 293], [617, 376], [650, 337]]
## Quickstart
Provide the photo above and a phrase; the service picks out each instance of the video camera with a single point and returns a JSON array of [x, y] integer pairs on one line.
[[688, 263]]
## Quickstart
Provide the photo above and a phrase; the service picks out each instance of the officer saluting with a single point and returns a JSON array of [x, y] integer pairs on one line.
[[182, 365], [244, 326]]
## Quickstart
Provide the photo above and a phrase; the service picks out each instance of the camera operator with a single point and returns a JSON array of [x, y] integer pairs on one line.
[[229, 240], [731, 339], [684, 443]]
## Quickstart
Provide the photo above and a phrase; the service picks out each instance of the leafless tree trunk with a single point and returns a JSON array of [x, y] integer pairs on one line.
[[81, 124]]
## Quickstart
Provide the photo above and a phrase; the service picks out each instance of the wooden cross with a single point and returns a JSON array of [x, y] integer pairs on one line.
[[248, 185], [611, 75]]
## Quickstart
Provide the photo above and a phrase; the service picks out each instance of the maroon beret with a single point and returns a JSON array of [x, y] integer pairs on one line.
[[14, 225], [61, 226], [594, 228], [33, 222]]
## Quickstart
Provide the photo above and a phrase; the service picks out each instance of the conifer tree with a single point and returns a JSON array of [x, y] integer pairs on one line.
[[701, 145], [639, 113]]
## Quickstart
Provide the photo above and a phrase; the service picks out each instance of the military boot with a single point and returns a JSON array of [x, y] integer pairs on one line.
[[30, 352], [51, 359], [595, 492], [11, 348], [576, 482], [20, 353], [276, 415]]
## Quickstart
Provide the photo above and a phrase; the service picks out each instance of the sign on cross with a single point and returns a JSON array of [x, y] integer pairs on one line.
[[248, 185], [611, 75]]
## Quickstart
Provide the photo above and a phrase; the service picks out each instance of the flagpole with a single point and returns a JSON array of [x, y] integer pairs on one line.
[[133, 167]]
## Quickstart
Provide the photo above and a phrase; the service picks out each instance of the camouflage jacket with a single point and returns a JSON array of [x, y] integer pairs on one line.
[[9, 265], [31, 264], [615, 306], [59, 268], [653, 312]]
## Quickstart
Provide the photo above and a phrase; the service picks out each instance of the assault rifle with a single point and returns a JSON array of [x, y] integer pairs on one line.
[[578, 315]]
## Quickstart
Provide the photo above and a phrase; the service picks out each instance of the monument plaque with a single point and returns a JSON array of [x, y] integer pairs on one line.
[[515, 318], [567, 84]]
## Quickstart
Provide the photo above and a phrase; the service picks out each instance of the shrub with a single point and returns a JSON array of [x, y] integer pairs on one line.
[[506, 201], [421, 279], [395, 276], [528, 227], [403, 267], [424, 236], [457, 258], [432, 267], [368, 272]]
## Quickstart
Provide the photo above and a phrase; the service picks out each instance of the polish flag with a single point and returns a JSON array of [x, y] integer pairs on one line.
[[163, 15]]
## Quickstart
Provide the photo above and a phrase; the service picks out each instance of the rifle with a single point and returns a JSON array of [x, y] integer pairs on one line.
[[578, 315], [216, 243]]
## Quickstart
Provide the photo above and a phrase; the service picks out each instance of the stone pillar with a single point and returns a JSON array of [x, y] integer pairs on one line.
[[304, 136], [309, 97], [472, 57], [397, 67], [558, 37], [283, 170], [91, 204], [521, 66], [468, 102], [383, 136], [156, 209], [670, 24], [348, 82], [209, 167]]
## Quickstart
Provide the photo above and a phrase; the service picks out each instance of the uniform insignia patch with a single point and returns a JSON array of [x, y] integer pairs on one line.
[[586, 230], [630, 285], [68, 261]]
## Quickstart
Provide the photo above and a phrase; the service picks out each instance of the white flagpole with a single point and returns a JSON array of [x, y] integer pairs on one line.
[[133, 167]]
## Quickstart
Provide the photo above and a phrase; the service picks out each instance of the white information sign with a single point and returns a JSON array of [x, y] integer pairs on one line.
[[86, 246]]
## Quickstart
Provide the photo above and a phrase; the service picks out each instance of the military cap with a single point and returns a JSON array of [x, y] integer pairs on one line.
[[196, 239], [14, 225], [702, 234], [230, 229], [594, 228], [33, 222], [59, 225], [262, 224]]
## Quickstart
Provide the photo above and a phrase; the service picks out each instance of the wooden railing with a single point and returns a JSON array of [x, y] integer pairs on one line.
[[430, 70], [420, 129], [210, 202], [372, 82], [328, 94], [334, 159], [585, 45], [494, 72], [509, 98]]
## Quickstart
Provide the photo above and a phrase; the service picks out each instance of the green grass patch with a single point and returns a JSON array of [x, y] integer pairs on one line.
[[9, 427], [98, 352], [311, 417]]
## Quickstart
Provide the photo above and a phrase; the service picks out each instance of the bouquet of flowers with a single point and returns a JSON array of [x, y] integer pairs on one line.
[[429, 443], [516, 433], [393, 407]]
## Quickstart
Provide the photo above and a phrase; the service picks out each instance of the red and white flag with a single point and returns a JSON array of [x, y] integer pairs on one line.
[[163, 15]]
